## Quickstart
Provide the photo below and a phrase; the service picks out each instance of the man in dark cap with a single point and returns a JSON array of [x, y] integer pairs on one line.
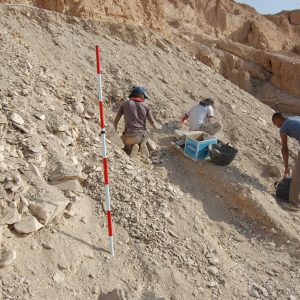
[[136, 112]]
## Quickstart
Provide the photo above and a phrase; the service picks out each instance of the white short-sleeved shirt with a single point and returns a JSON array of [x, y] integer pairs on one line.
[[198, 115]]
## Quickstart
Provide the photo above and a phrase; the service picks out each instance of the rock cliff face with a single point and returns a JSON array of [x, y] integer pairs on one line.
[[216, 18], [258, 53]]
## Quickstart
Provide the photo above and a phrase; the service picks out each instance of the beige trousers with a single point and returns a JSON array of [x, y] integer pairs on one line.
[[130, 139], [295, 185]]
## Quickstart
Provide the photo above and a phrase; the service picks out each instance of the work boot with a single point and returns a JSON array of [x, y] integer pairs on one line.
[[134, 150], [144, 150], [291, 206]]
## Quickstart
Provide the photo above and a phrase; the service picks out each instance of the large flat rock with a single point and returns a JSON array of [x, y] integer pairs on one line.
[[28, 224], [46, 209], [45, 202], [68, 185], [65, 172]]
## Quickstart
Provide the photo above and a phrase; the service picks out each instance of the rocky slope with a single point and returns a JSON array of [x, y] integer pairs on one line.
[[182, 230], [258, 53]]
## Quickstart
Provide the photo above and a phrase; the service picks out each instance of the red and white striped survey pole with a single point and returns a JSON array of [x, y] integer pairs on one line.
[[104, 154]]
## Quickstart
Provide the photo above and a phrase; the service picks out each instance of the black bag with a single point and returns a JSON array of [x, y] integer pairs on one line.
[[283, 188]]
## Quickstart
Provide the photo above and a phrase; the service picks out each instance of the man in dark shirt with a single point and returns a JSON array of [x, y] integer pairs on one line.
[[136, 112], [290, 127]]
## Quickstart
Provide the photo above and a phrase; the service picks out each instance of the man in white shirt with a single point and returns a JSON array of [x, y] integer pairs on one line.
[[201, 118], [200, 114]]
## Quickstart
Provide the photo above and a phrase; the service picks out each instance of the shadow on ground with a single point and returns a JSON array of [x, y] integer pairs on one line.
[[186, 174]]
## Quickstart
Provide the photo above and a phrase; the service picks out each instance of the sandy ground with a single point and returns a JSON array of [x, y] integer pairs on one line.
[[183, 230]]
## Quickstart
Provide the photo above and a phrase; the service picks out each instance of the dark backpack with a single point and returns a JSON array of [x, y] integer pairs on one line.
[[283, 188]]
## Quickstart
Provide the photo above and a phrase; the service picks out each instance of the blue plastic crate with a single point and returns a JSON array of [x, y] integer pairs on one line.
[[197, 150]]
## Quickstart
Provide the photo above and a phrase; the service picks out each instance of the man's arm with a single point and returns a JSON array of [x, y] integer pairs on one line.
[[210, 114], [285, 153], [117, 118], [210, 119], [152, 121]]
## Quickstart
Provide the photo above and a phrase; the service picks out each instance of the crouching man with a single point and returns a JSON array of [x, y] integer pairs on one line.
[[136, 112], [201, 118], [290, 127]]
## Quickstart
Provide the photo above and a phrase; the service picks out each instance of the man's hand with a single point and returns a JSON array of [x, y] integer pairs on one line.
[[152, 121], [287, 172], [158, 126], [184, 118]]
